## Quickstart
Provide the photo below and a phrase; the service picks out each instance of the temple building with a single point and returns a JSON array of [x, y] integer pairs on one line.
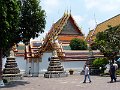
[[64, 30], [114, 21], [20, 50], [59, 36], [32, 58]]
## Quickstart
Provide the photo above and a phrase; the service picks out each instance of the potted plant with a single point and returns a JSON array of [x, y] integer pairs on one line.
[[71, 71]]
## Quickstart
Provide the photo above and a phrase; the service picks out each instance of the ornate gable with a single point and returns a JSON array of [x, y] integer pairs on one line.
[[69, 29]]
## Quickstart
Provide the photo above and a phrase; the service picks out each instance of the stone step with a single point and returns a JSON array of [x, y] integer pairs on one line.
[[69, 59]]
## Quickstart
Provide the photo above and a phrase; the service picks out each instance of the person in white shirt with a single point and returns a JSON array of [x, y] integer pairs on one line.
[[87, 74], [116, 67]]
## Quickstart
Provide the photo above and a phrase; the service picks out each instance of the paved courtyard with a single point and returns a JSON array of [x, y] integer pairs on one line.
[[72, 82]]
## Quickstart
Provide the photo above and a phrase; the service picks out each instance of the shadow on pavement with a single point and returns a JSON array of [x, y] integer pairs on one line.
[[114, 82], [15, 83]]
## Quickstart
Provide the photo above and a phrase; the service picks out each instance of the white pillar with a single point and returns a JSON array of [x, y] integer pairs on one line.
[[27, 68], [36, 68], [32, 67]]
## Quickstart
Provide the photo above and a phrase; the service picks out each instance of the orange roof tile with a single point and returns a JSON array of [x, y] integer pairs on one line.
[[69, 38]]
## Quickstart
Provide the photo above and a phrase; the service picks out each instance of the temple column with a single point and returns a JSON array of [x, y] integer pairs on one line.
[[36, 68], [27, 68], [32, 67]]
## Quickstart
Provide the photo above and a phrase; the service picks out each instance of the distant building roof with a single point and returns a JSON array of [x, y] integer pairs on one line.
[[114, 21], [88, 38], [20, 50]]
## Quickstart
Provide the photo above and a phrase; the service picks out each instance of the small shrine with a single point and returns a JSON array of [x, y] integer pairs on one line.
[[32, 58], [11, 71], [55, 69]]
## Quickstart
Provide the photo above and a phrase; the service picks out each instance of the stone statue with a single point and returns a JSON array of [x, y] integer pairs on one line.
[[55, 53], [12, 53]]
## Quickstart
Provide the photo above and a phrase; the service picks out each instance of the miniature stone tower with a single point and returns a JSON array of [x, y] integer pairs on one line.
[[11, 71], [55, 69]]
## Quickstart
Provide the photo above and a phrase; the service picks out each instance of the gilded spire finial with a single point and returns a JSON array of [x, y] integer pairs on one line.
[[65, 12], [70, 9]]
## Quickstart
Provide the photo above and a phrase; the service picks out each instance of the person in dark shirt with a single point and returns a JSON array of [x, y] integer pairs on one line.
[[112, 73]]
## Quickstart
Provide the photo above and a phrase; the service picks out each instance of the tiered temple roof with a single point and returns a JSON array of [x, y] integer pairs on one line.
[[20, 50], [64, 30], [61, 33], [31, 50], [114, 21]]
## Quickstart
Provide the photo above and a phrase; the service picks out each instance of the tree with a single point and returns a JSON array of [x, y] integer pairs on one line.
[[78, 44], [32, 20], [100, 62], [9, 13], [93, 46], [12, 22], [108, 42]]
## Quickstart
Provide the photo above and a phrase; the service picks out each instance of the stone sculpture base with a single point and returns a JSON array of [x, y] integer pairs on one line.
[[12, 77], [11, 71], [55, 69], [55, 74]]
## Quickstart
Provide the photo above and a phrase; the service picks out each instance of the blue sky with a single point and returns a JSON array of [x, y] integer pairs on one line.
[[84, 12]]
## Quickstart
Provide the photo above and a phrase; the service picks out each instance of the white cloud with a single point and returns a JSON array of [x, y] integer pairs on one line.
[[50, 5], [91, 24], [78, 19], [103, 5], [91, 3]]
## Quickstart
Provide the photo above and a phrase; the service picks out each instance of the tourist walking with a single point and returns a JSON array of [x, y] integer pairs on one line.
[[87, 73], [29, 71], [112, 73], [116, 67]]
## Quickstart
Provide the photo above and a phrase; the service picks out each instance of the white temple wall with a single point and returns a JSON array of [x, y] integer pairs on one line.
[[44, 64]]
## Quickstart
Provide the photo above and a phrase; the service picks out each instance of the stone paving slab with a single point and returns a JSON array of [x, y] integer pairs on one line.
[[72, 82]]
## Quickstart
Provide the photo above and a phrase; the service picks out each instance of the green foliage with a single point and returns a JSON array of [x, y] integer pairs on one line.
[[19, 23], [9, 24], [78, 44], [5, 81], [118, 72], [108, 42], [32, 20], [100, 62], [94, 46]]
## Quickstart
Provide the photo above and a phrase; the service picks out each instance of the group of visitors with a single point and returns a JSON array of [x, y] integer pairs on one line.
[[112, 72]]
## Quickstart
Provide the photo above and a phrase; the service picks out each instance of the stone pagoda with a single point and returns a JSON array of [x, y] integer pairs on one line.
[[11, 71], [55, 69]]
